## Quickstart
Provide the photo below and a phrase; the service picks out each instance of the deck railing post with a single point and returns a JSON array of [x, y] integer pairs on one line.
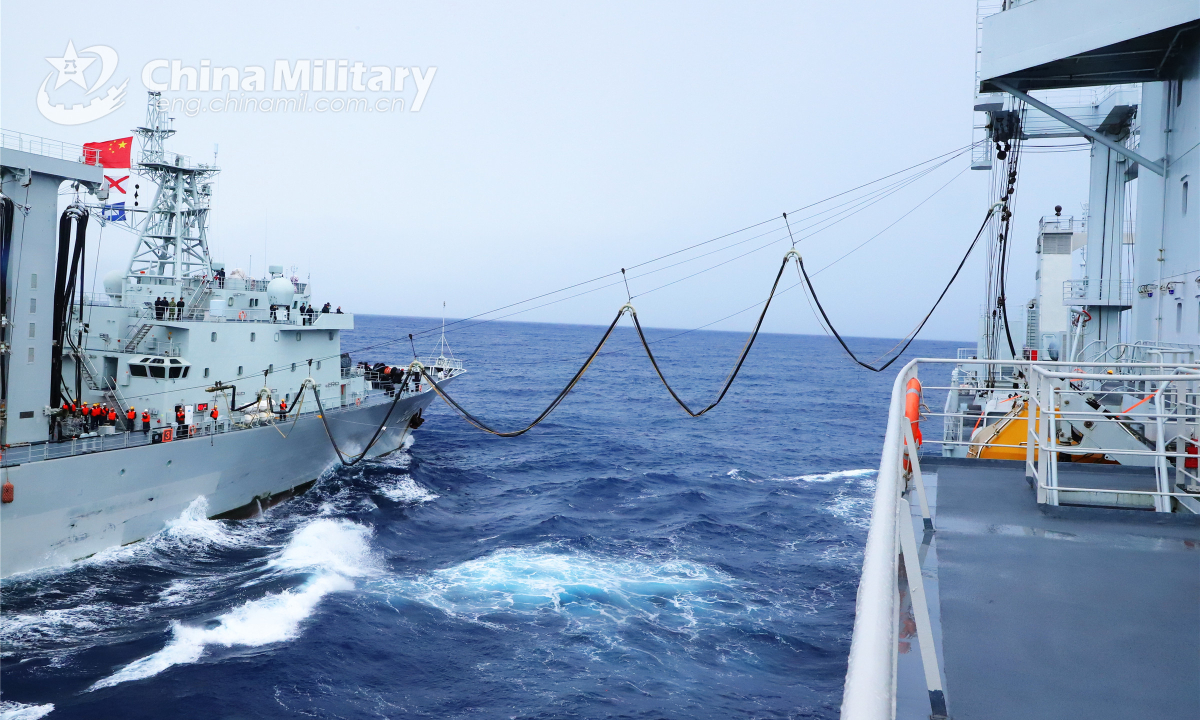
[[911, 448], [920, 606], [1052, 450]]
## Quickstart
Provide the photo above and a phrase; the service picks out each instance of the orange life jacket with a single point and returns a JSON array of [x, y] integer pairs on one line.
[[112, 415], [214, 413], [146, 417], [131, 415]]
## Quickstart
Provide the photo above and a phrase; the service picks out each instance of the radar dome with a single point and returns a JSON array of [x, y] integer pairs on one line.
[[114, 283], [280, 291]]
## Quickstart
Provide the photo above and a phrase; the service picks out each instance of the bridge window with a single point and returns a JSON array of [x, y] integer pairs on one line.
[[32, 329], [137, 370], [32, 305]]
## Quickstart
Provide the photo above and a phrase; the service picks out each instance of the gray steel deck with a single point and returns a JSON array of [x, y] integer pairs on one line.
[[1058, 612]]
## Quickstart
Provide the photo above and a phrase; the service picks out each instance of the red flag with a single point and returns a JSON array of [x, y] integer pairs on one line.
[[110, 153]]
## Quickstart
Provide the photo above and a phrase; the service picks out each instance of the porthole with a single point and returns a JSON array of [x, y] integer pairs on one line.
[[239, 370], [214, 337], [331, 335], [318, 364], [297, 337], [276, 337], [252, 336], [205, 372], [229, 302]]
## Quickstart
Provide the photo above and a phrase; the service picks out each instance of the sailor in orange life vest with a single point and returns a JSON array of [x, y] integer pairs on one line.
[[283, 409], [112, 416], [180, 416], [145, 422], [213, 414], [131, 418]]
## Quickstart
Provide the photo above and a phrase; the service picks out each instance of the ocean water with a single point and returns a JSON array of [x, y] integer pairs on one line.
[[620, 560]]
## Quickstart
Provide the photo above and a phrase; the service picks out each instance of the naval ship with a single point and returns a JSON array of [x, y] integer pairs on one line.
[[1044, 560], [223, 387]]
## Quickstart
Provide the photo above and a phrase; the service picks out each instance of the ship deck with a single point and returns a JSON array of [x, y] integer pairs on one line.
[[1054, 612]]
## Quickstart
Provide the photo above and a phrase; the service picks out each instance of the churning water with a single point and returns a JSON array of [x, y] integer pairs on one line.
[[621, 560]]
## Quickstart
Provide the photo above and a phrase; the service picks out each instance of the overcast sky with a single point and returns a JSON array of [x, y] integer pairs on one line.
[[558, 142]]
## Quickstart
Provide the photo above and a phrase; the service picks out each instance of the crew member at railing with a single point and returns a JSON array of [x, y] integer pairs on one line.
[[339, 311], [214, 415], [180, 417], [145, 422], [325, 309], [159, 308], [131, 416], [282, 409]]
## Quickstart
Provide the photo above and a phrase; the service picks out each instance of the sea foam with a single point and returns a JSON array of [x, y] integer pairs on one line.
[[332, 551]]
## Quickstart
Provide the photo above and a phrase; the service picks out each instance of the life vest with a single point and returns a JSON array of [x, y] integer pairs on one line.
[[131, 415], [283, 406], [112, 415], [213, 414], [179, 416], [146, 416], [73, 408], [65, 407]]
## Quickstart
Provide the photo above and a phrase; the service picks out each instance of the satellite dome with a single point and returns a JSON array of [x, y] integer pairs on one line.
[[280, 291], [114, 283]]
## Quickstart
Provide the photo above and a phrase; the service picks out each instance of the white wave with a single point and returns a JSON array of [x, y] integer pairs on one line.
[[406, 490], [854, 510], [332, 550], [10, 710], [829, 476], [532, 580]]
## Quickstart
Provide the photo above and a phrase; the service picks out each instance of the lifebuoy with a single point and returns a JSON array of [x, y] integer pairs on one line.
[[912, 413], [912, 408], [242, 315]]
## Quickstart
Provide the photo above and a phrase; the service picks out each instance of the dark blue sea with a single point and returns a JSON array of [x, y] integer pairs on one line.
[[621, 560]]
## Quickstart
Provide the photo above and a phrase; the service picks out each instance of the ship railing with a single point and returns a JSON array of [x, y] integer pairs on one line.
[[49, 148], [119, 437], [1075, 292], [1171, 394]]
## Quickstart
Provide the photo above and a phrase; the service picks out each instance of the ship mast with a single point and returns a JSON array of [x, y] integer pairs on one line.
[[172, 241]]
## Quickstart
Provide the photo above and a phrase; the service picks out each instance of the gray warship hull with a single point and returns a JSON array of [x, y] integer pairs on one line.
[[69, 508]]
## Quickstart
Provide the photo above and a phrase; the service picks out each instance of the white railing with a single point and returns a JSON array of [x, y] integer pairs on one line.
[[48, 148], [870, 688], [1173, 394], [1075, 292]]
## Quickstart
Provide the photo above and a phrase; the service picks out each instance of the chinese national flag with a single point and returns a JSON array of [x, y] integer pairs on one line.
[[112, 153]]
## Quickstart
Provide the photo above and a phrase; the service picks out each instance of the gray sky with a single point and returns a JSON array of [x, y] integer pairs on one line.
[[559, 142]]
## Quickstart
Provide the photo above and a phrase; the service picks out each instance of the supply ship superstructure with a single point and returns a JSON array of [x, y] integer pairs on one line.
[[1040, 558], [213, 376]]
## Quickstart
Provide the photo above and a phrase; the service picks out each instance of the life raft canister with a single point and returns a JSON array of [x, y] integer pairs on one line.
[[912, 413]]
